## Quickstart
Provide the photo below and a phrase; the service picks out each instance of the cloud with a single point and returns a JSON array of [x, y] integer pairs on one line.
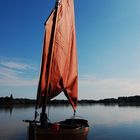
[[92, 87], [19, 74], [13, 74], [15, 65], [16, 82]]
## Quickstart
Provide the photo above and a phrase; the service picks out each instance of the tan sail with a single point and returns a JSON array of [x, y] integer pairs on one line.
[[59, 59]]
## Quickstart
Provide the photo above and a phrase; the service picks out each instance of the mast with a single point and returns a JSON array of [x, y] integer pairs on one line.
[[43, 115]]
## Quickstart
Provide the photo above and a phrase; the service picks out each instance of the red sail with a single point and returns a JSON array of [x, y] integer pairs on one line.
[[59, 70]]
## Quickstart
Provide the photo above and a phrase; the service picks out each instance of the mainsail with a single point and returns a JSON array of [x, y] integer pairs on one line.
[[59, 72]]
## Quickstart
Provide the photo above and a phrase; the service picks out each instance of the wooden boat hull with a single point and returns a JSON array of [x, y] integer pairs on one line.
[[59, 131]]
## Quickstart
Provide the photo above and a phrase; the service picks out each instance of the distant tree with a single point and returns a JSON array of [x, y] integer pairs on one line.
[[11, 96]]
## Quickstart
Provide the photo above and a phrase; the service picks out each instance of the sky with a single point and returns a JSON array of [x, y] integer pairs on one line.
[[108, 46]]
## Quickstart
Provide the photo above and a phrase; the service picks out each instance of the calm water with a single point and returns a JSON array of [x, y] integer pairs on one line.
[[106, 122]]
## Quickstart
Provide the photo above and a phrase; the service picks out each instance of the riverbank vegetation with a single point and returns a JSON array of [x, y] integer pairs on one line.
[[131, 100]]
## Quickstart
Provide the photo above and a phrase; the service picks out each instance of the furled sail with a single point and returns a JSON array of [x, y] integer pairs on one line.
[[59, 70]]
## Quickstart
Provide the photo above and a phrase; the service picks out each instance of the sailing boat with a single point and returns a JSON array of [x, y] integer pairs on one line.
[[59, 73]]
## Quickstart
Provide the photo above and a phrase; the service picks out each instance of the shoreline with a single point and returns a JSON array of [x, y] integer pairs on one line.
[[122, 101]]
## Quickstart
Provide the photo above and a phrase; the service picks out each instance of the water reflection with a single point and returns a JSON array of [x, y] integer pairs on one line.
[[6, 109], [9, 108], [106, 122]]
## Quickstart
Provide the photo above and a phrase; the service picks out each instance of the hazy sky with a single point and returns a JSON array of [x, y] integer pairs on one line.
[[108, 43]]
